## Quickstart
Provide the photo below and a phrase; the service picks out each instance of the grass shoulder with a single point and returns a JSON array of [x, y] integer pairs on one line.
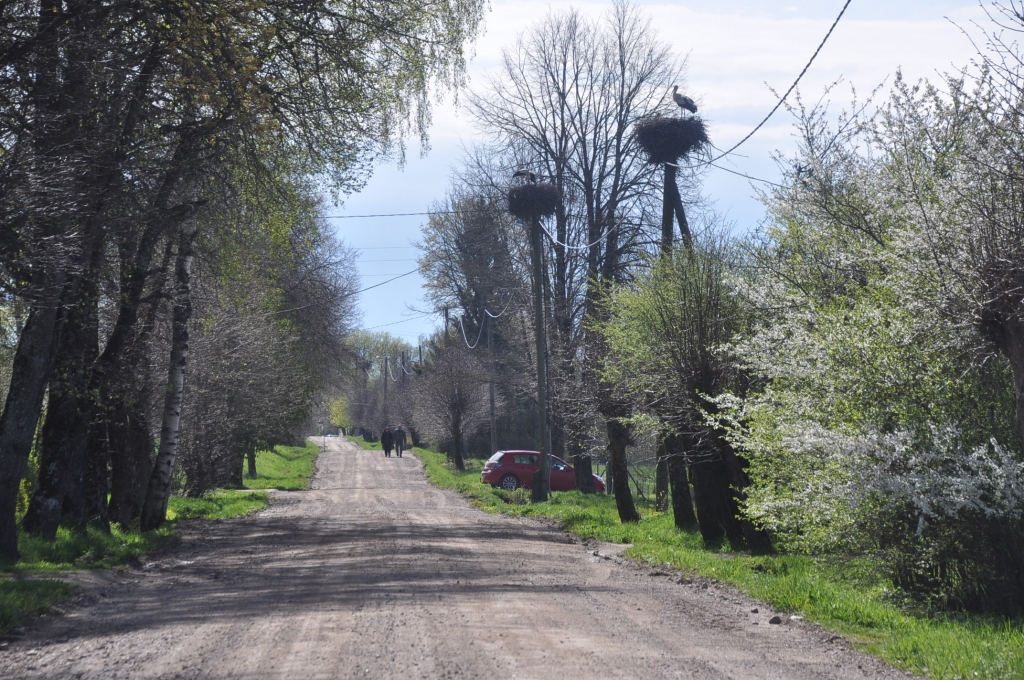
[[841, 595], [287, 468], [31, 585]]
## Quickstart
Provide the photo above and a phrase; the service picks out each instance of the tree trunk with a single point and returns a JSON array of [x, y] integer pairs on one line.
[[457, 459], [716, 510], [618, 439], [584, 471], [96, 477], [30, 372], [131, 450], [62, 459], [661, 477], [159, 491], [682, 501], [251, 459], [757, 540]]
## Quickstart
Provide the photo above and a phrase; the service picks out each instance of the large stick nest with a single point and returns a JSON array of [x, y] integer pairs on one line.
[[666, 140], [527, 201]]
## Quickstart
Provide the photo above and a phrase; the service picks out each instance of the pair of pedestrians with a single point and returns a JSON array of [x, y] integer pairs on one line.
[[393, 439]]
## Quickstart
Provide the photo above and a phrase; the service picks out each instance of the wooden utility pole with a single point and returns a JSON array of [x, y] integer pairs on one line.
[[542, 485], [490, 387], [386, 418]]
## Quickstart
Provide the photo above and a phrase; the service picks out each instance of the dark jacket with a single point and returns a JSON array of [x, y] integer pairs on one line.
[[387, 439], [399, 437]]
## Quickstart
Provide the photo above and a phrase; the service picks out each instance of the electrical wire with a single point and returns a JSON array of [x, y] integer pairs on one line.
[[741, 174], [566, 245], [502, 312], [390, 374], [466, 339], [408, 214], [394, 323], [788, 92], [376, 285]]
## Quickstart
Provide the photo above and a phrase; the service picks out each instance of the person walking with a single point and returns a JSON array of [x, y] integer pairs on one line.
[[399, 439], [387, 440]]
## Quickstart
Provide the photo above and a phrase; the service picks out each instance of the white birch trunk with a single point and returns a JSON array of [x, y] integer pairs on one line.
[[154, 512]]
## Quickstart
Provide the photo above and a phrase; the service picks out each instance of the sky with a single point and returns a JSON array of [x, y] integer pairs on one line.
[[735, 52]]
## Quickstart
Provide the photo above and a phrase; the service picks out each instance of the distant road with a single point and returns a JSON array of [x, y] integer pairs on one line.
[[374, 573]]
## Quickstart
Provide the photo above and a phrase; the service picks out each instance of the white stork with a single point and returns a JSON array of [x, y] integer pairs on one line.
[[682, 100], [525, 174]]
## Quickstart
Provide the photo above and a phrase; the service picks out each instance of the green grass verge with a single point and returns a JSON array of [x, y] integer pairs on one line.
[[286, 467], [840, 595], [23, 594], [23, 598]]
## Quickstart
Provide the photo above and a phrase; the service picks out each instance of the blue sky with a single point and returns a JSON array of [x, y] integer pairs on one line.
[[735, 51]]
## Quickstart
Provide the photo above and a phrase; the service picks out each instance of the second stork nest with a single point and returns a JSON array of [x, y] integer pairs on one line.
[[527, 201], [666, 140]]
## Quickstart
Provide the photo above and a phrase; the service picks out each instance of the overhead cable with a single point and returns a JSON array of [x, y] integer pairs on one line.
[[502, 312], [376, 285], [478, 335], [788, 92], [743, 174], [393, 323], [586, 247], [408, 214]]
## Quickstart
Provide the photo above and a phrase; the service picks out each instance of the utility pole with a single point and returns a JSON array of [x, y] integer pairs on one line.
[[421, 354], [386, 418], [540, 494], [529, 202], [490, 352]]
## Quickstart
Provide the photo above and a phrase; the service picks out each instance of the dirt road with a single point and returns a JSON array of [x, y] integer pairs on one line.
[[374, 573]]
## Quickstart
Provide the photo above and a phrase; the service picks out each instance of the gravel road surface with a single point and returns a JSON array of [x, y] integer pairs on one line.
[[374, 573]]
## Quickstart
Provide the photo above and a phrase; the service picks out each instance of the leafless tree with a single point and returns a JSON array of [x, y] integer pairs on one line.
[[451, 399]]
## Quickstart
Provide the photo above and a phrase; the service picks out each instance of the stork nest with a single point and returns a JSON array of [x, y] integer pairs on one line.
[[527, 201], [666, 140]]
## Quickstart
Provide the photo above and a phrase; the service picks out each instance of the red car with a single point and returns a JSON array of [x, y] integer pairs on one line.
[[510, 470]]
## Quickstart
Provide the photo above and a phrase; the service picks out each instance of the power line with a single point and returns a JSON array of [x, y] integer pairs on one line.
[[502, 312], [790, 90], [586, 247], [409, 214], [478, 335], [377, 285], [403, 321], [741, 174]]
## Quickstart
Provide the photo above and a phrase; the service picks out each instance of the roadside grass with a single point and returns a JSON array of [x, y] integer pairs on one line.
[[841, 595], [286, 467], [24, 594], [23, 598]]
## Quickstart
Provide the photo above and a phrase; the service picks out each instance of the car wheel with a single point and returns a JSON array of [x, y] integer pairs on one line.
[[509, 482]]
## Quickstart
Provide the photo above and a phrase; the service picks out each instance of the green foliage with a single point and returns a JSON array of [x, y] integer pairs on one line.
[[339, 412], [286, 467], [220, 505], [90, 547], [21, 598], [843, 595]]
